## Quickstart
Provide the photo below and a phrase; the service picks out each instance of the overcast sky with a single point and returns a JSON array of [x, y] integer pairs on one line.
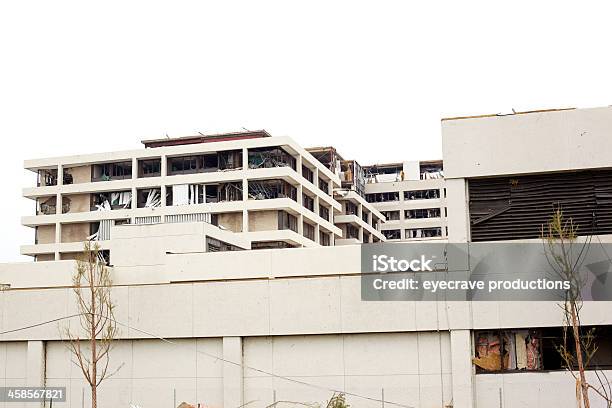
[[371, 78]]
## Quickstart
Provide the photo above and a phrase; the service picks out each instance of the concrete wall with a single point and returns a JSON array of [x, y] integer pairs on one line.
[[45, 234], [79, 202], [263, 220], [75, 232], [231, 221], [80, 174], [527, 143]]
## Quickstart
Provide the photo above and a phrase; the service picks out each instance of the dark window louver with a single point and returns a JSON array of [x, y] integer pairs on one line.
[[517, 207]]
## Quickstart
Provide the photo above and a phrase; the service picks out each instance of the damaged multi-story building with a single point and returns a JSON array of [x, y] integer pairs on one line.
[[207, 323], [252, 190]]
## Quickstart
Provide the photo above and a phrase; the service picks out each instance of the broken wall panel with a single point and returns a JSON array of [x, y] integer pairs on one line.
[[517, 207]]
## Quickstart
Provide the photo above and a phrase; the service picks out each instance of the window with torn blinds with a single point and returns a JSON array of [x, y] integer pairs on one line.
[[516, 207]]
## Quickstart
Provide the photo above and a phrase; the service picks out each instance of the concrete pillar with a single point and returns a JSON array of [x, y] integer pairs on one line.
[[58, 238], [60, 174], [134, 168], [458, 211], [245, 221], [233, 389], [35, 368], [245, 158], [461, 374]]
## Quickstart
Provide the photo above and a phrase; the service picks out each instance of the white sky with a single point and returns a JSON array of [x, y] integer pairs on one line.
[[371, 78]]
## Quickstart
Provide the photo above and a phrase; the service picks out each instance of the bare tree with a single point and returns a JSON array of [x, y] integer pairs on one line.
[[91, 343], [565, 256]]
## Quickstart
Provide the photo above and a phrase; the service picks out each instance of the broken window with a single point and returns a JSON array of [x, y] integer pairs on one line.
[[229, 191], [324, 186], [536, 349], [324, 212], [46, 206], [184, 194], [352, 176], [287, 221], [149, 198], [269, 189], [307, 173], [324, 238], [212, 193], [382, 197], [308, 202], [350, 208], [431, 170], [111, 171], [47, 177], [422, 194], [352, 232], [364, 216], [149, 168], [309, 231], [391, 215], [517, 207], [423, 232], [366, 237], [392, 234], [230, 159], [267, 157], [422, 213], [112, 200]]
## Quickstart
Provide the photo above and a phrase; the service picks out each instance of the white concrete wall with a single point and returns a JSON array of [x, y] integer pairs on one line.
[[527, 143]]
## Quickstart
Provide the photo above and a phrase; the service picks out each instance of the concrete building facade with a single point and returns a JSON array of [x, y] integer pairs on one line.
[[232, 328], [411, 196]]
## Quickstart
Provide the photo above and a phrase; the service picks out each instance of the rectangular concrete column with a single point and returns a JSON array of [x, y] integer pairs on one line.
[[35, 364], [458, 210], [233, 389], [461, 374]]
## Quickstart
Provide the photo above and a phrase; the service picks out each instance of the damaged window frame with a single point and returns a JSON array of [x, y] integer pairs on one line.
[[392, 234], [149, 167], [119, 170], [426, 232], [270, 157], [269, 189], [548, 359], [424, 194], [422, 213], [383, 197]]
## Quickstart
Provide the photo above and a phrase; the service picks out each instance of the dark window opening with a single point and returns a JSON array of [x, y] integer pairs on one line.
[[391, 215], [308, 202], [111, 171], [324, 239], [149, 168], [267, 157], [269, 189], [423, 213], [324, 212], [307, 173], [424, 232], [392, 234], [287, 221], [382, 197], [537, 349], [324, 186], [422, 194], [215, 245], [309, 231]]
